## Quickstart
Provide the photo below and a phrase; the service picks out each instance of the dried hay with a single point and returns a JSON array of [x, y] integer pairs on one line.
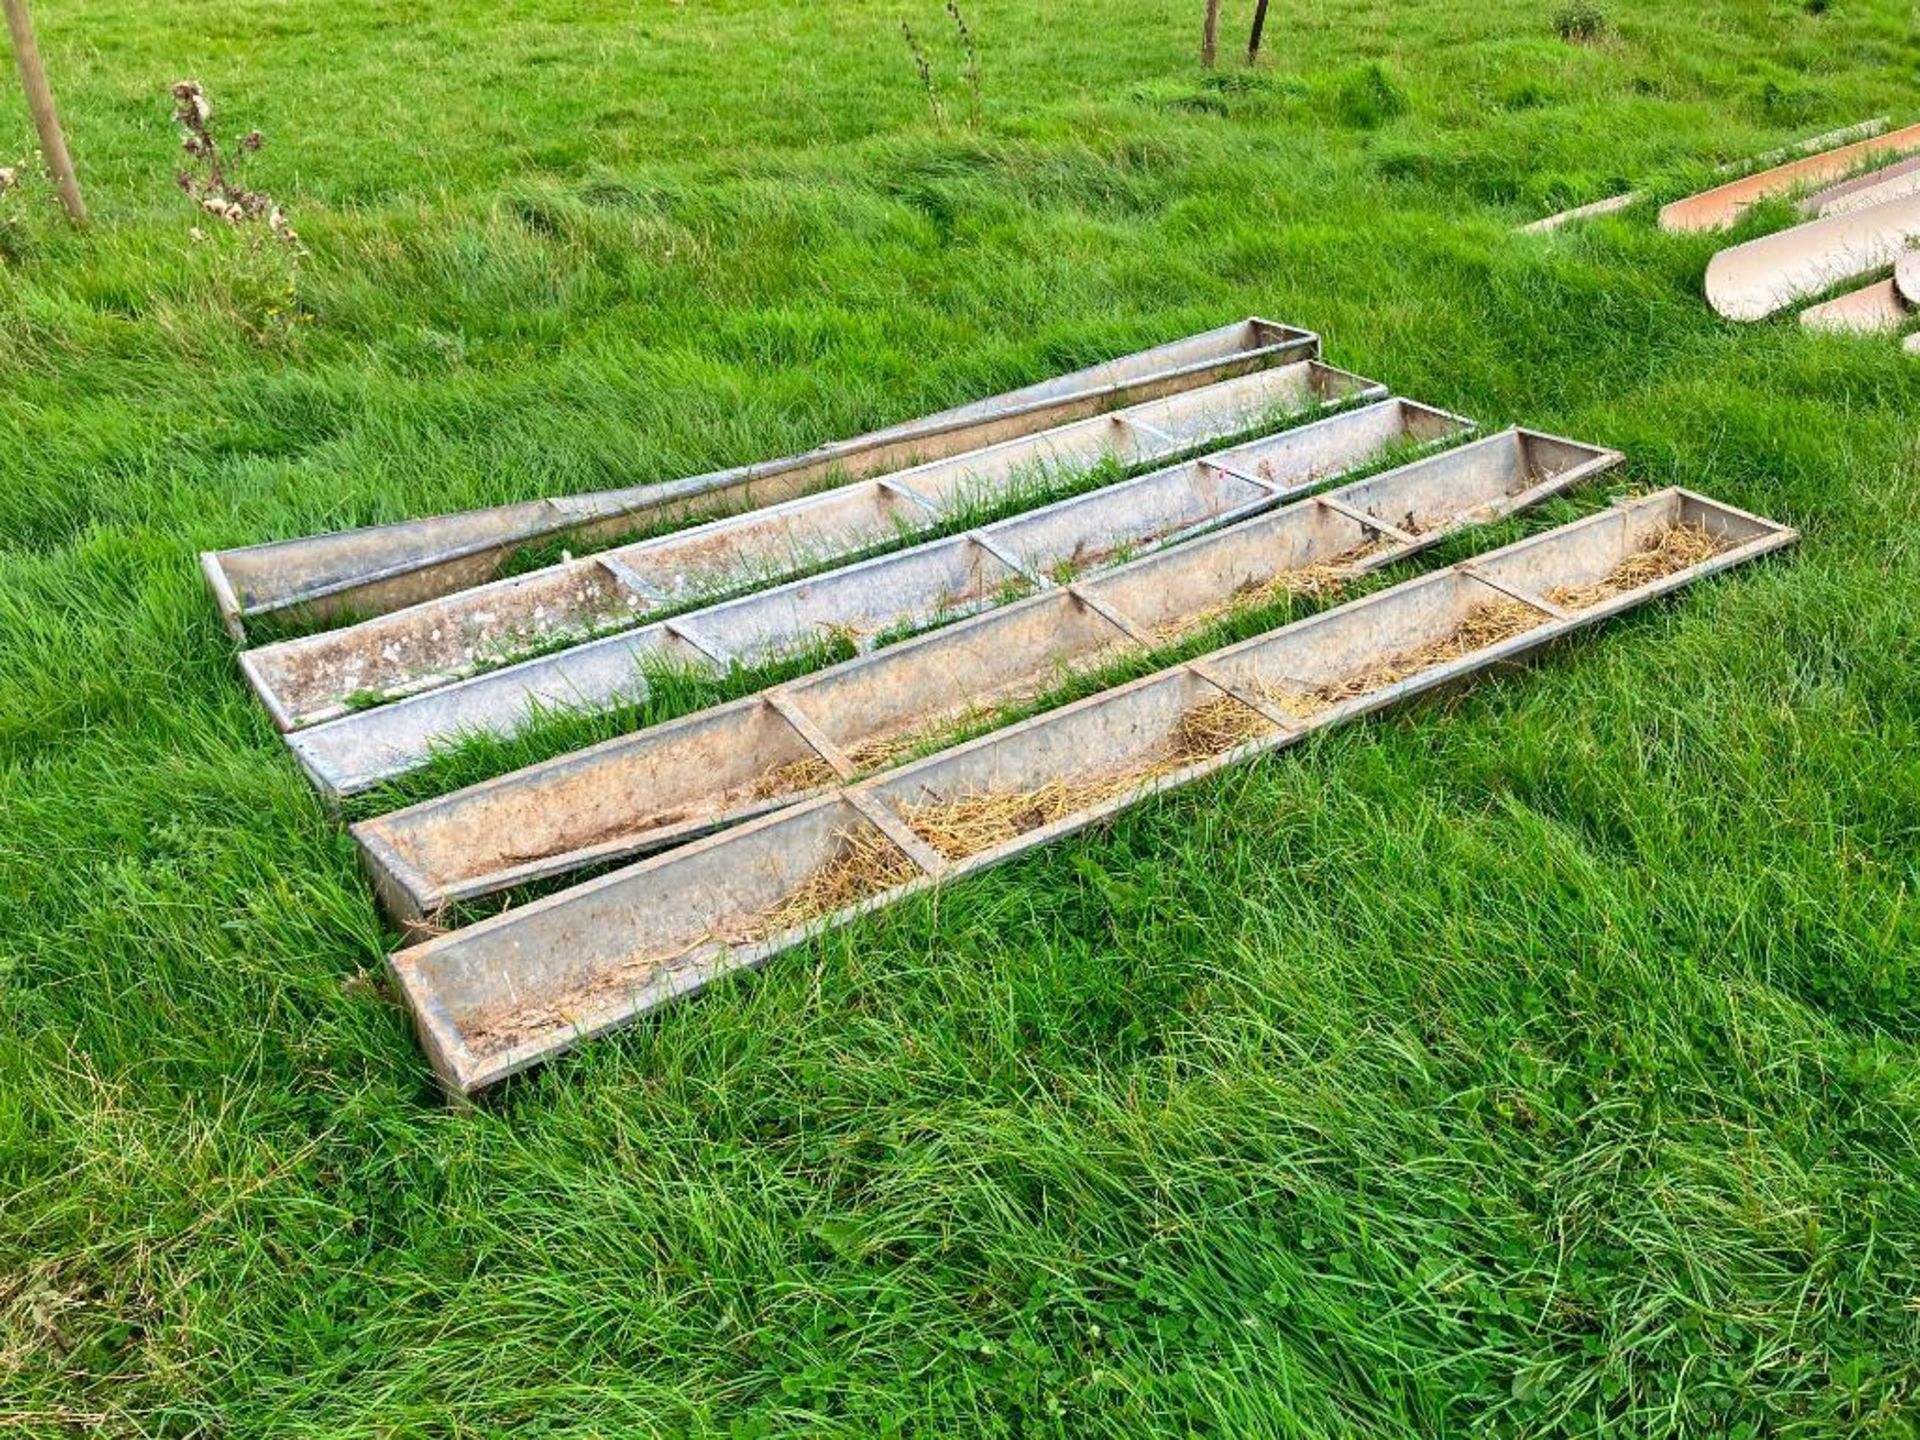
[[881, 751], [972, 823], [866, 864], [1671, 551], [807, 773], [1484, 625]]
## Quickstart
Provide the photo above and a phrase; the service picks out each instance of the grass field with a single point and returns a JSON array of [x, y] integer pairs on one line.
[[1540, 1061]]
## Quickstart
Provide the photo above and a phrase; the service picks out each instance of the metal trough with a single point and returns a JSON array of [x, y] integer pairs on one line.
[[1719, 207], [321, 677], [906, 589], [1751, 281], [664, 785], [383, 567], [512, 991]]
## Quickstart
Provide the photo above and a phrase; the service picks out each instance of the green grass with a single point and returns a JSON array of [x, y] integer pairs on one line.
[[1538, 1061]]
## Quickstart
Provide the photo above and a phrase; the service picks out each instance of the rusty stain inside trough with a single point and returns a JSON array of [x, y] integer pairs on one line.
[[513, 991], [923, 585], [664, 785], [378, 568]]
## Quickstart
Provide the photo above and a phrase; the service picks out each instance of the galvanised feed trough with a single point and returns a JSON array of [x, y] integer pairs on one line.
[[512, 991], [905, 589], [437, 642], [382, 567], [669, 783]]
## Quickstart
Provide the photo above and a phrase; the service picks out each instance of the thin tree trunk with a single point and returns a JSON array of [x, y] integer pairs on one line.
[[1259, 24], [53, 144], [1209, 37]]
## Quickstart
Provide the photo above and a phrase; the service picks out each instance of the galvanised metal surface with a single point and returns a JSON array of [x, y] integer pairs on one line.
[[1906, 277], [512, 991], [669, 783], [907, 588], [320, 677], [379, 568]]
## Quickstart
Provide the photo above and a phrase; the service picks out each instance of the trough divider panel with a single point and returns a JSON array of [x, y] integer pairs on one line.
[[984, 539], [914, 497], [1112, 614], [1278, 718], [1370, 522], [630, 578], [1238, 474], [891, 823], [683, 632], [791, 711], [1516, 592], [359, 750], [315, 678], [1158, 436], [938, 678], [377, 568]]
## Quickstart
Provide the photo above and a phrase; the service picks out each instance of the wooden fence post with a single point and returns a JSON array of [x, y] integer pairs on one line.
[[1210, 36], [53, 144]]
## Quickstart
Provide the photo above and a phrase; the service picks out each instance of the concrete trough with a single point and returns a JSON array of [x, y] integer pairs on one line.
[[368, 571], [662, 786], [906, 589], [320, 677], [515, 990]]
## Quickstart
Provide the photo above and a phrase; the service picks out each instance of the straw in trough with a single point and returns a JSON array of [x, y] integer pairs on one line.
[[969, 824], [1484, 625], [1672, 550]]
